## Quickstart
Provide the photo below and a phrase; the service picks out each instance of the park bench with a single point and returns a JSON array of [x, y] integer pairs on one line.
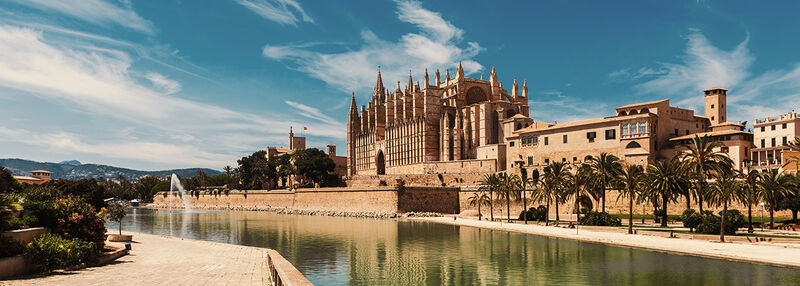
[[792, 227]]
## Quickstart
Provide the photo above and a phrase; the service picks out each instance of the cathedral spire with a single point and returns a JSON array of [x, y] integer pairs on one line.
[[353, 106], [515, 88], [460, 71], [410, 86], [378, 83], [493, 77], [447, 75], [427, 82], [525, 88], [438, 78]]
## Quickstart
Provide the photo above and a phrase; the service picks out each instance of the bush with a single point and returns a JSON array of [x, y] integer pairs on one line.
[[691, 219], [78, 219], [10, 247], [51, 251], [116, 212], [710, 224], [534, 214], [600, 218]]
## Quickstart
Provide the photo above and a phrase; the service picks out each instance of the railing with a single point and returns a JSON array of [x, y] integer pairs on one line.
[[282, 272]]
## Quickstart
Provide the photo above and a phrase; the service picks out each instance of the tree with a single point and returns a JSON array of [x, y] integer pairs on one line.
[[313, 165], [479, 199], [116, 212], [791, 199], [201, 178], [491, 183], [605, 167], [703, 155], [228, 170], [144, 187], [774, 185], [725, 189], [7, 182], [664, 179], [555, 177], [254, 172], [509, 187], [630, 178], [751, 193], [578, 186], [526, 181]]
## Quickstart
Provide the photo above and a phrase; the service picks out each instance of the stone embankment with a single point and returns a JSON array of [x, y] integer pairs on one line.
[[310, 212]]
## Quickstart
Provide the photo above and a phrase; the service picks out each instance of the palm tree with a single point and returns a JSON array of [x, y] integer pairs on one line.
[[725, 189], [526, 181], [630, 180], [665, 179], [228, 170], [577, 184], [555, 176], [479, 199], [490, 183], [703, 155], [773, 184], [605, 167], [794, 146], [750, 193], [509, 187]]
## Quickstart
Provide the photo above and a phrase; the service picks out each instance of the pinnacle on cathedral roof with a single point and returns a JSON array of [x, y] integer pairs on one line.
[[460, 71], [379, 82]]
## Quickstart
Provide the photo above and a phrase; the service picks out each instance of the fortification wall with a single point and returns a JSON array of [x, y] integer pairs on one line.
[[367, 199]]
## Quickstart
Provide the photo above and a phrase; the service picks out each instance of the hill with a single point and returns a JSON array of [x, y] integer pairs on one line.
[[73, 170]]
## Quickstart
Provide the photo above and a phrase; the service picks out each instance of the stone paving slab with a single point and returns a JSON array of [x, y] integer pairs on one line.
[[161, 260]]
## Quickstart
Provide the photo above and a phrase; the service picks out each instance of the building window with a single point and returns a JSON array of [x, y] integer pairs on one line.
[[625, 129], [611, 134], [535, 139], [762, 128], [574, 159], [642, 128], [632, 145], [772, 127], [783, 126], [763, 145], [725, 149], [712, 117], [773, 142], [676, 132], [546, 160], [687, 132], [712, 106], [511, 144], [565, 138], [633, 128], [784, 141], [591, 136], [530, 160], [563, 159]]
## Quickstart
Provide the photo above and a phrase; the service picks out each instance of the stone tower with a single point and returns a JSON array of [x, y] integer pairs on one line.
[[715, 99]]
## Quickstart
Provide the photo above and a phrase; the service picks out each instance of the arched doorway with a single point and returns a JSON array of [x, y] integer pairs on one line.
[[380, 163]]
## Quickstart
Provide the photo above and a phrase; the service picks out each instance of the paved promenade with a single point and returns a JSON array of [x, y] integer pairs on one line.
[[159, 260], [780, 254]]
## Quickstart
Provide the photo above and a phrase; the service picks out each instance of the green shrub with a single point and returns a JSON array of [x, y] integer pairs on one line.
[[710, 224], [691, 219], [10, 247], [535, 214], [78, 219], [600, 218], [51, 251]]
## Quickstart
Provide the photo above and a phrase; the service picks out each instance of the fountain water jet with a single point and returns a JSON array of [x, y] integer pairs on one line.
[[175, 184]]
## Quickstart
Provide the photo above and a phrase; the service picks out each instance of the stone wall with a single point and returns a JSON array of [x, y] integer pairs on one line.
[[351, 199]]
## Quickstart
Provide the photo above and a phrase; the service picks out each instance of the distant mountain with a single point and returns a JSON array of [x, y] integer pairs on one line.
[[71, 162], [75, 170]]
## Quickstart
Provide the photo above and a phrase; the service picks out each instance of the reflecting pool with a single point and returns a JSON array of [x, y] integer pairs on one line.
[[359, 251]]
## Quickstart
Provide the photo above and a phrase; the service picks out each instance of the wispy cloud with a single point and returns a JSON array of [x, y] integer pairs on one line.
[[438, 43], [751, 94], [313, 113], [96, 12], [554, 106], [101, 82], [287, 12]]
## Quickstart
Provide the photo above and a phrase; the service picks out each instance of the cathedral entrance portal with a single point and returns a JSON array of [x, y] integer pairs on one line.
[[380, 163]]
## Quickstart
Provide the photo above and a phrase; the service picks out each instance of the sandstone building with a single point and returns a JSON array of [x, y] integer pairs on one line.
[[37, 177], [772, 135], [297, 143], [638, 134], [448, 125]]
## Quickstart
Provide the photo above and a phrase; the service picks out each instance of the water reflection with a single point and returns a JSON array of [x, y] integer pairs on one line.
[[337, 251]]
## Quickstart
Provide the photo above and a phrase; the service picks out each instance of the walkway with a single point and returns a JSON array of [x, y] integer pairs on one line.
[[160, 260]]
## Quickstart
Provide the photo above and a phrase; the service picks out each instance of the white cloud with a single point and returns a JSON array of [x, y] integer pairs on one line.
[[437, 44], [554, 106], [161, 82], [100, 82], [704, 65], [281, 11], [313, 113], [95, 11]]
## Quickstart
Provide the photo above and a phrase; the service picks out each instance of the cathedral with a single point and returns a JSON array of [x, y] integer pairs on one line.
[[449, 125]]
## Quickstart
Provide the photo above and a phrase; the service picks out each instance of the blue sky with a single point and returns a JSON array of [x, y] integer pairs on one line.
[[171, 83]]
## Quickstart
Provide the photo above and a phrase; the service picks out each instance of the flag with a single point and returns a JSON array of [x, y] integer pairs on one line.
[[305, 128]]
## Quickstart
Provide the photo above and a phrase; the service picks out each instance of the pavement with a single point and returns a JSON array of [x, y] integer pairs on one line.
[[161, 260]]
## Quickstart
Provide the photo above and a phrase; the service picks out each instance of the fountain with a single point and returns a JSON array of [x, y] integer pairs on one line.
[[175, 184]]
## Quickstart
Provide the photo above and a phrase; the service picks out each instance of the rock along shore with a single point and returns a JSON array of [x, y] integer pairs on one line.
[[308, 212]]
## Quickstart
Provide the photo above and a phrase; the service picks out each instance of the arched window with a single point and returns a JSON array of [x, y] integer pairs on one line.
[[633, 112], [645, 110], [642, 128], [475, 94], [632, 145], [622, 113], [633, 128], [625, 129], [587, 158]]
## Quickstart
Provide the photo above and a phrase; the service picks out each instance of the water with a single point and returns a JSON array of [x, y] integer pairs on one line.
[[340, 251], [176, 186]]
